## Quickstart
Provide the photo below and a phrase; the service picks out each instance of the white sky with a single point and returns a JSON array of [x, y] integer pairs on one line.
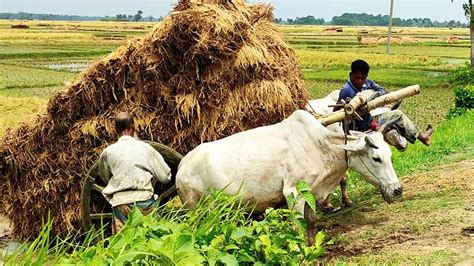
[[440, 10]]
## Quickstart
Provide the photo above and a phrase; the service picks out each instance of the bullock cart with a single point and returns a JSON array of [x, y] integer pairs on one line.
[[95, 210]]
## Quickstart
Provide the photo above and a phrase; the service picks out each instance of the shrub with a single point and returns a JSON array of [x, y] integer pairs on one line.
[[462, 75], [463, 100], [219, 231]]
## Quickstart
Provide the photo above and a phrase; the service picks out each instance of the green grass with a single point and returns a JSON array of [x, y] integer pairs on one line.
[[315, 59], [451, 137], [391, 77], [422, 49], [13, 77]]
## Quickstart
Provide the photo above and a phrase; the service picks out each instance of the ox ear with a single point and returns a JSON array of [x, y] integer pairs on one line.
[[350, 147], [370, 142]]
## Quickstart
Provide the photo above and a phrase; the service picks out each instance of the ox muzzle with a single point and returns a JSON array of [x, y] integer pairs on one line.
[[392, 192]]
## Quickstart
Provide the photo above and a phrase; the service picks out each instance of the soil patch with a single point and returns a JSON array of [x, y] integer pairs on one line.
[[431, 224]]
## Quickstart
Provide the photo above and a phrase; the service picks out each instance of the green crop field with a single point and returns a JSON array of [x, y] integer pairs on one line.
[[37, 62]]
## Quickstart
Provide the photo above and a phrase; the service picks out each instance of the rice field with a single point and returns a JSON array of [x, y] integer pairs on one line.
[[38, 61]]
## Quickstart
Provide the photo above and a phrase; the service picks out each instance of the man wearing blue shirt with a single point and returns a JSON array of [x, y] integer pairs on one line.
[[358, 82]]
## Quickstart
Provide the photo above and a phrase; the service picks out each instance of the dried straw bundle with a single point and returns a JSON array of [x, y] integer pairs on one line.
[[207, 71]]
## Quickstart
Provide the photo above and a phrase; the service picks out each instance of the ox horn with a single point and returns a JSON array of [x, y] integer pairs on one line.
[[370, 142]]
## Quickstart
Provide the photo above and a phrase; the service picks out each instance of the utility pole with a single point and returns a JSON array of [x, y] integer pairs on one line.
[[471, 29], [390, 27]]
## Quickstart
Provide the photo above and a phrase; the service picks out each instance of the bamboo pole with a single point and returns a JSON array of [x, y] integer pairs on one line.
[[361, 99]]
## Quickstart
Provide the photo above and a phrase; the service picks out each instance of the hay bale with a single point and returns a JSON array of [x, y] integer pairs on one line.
[[451, 39], [19, 26], [336, 29], [383, 40], [207, 71]]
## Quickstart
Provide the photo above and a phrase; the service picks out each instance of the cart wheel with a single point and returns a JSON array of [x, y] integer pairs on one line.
[[96, 211]]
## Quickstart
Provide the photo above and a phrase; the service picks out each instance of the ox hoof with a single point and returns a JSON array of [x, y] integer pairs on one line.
[[348, 204], [330, 210]]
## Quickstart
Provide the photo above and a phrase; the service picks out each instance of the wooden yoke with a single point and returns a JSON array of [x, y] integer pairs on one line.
[[361, 100]]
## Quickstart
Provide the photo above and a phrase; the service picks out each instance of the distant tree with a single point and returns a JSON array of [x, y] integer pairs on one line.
[[308, 20], [138, 16], [426, 22], [397, 22], [150, 18], [342, 21]]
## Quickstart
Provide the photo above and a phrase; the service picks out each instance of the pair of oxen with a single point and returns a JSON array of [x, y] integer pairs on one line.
[[264, 164]]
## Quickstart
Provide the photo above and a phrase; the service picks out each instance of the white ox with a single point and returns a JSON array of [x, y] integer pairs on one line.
[[321, 107], [265, 163]]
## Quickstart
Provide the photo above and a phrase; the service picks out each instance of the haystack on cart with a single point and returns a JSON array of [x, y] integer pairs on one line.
[[95, 210]]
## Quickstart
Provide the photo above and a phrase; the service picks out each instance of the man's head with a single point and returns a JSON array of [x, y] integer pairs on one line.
[[124, 124], [359, 73]]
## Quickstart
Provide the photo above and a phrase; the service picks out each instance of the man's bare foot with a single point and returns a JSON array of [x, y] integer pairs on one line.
[[425, 138]]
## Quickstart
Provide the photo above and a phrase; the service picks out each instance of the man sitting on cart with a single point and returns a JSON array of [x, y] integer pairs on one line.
[[358, 82], [132, 168]]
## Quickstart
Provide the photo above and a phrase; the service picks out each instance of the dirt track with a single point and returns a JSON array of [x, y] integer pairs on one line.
[[433, 223]]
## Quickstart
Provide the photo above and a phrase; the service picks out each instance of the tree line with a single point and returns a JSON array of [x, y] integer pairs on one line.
[[118, 17], [346, 19], [356, 19]]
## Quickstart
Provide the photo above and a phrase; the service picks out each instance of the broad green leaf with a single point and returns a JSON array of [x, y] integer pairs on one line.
[[291, 201], [135, 217], [227, 259], [240, 232], [129, 256], [265, 239], [218, 241], [154, 245], [212, 255], [244, 257], [310, 200], [302, 186], [231, 247], [319, 238], [160, 230], [304, 191], [229, 229]]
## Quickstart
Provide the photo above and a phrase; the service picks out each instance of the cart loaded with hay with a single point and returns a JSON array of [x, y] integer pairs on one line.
[[208, 70]]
